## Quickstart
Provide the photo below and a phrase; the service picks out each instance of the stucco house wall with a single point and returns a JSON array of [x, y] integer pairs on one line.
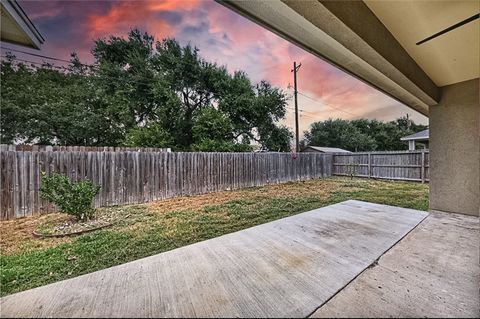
[[455, 149]]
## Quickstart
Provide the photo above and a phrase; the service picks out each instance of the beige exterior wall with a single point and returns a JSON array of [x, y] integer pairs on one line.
[[455, 149]]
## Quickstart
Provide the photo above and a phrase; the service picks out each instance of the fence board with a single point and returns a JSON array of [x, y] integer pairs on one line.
[[136, 177], [49, 148], [394, 165]]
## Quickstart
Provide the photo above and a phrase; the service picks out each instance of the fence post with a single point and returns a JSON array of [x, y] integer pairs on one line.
[[134, 177], [369, 165], [422, 171]]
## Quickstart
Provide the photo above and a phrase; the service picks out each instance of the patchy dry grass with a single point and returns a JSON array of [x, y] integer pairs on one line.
[[150, 228], [17, 235]]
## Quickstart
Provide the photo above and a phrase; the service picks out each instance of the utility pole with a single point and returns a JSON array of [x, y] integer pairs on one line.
[[295, 69]]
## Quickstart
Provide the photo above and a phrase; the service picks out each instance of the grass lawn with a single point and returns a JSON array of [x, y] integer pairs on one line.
[[146, 229]]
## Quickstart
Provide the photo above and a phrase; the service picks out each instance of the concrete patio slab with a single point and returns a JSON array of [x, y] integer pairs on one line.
[[433, 272], [286, 268]]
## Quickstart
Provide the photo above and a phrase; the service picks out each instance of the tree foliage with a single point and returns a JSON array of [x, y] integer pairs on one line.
[[141, 92], [362, 134]]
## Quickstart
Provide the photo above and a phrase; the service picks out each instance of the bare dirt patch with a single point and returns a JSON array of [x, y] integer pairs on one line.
[[290, 189], [145, 229], [72, 227], [18, 235], [37, 232], [193, 202]]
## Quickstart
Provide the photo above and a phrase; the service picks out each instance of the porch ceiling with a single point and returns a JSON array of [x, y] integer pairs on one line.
[[370, 41], [447, 59]]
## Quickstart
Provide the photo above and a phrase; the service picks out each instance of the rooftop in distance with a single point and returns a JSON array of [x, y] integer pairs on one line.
[[422, 135], [325, 149]]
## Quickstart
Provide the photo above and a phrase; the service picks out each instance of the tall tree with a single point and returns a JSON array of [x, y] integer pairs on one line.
[[143, 93], [183, 85], [339, 133], [47, 106], [361, 134]]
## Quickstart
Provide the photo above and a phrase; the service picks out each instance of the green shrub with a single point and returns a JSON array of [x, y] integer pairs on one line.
[[73, 198]]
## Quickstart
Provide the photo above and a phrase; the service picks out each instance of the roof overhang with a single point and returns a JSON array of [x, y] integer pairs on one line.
[[443, 37], [414, 139], [350, 36], [17, 28], [419, 136]]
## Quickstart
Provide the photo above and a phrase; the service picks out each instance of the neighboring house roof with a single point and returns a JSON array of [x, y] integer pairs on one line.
[[327, 149], [422, 135], [17, 28]]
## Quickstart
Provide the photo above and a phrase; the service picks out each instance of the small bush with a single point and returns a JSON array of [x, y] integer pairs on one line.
[[73, 198]]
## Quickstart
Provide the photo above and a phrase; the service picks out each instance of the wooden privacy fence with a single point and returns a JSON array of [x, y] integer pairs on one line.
[[396, 165], [136, 177], [39, 148]]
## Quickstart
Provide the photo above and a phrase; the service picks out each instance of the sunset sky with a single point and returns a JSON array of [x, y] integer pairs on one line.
[[223, 37]]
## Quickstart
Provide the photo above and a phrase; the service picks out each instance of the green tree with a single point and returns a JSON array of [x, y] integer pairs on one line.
[[141, 93], [47, 106], [339, 133], [151, 135], [184, 89], [276, 138], [211, 123], [213, 131], [361, 134]]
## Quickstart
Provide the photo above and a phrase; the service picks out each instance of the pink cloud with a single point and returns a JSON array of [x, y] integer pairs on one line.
[[225, 37], [123, 16], [334, 94]]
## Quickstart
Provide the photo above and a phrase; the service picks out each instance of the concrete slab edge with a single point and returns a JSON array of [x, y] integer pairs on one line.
[[373, 264]]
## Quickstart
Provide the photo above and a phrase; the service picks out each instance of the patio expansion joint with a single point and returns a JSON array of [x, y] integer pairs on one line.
[[286, 267], [369, 267]]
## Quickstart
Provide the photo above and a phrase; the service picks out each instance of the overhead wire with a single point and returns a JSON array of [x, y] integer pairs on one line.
[[93, 66], [323, 104], [326, 104], [44, 56], [90, 65], [117, 79], [305, 112], [32, 62]]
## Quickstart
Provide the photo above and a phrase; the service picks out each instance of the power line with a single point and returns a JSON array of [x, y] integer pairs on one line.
[[326, 104], [35, 54], [312, 117], [63, 60], [93, 66], [117, 79], [139, 81], [303, 111], [44, 56], [89, 65], [323, 104], [341, 92], [300, 110], [37, 63]]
